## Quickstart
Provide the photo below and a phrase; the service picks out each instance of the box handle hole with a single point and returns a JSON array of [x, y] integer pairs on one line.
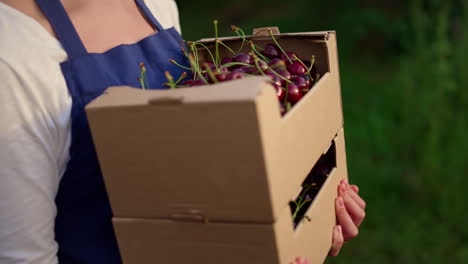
[[312, 185]]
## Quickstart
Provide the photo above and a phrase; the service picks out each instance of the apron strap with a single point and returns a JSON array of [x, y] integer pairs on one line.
[[63, 27], [149, 15]]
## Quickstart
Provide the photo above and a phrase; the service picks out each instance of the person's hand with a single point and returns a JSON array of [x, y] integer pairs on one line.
[[300, 260], [350, 212]]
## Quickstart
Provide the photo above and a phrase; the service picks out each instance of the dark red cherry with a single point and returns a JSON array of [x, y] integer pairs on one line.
[[271, 51], [236, 74], [277, 64], [296, 68], [243, 58], [294, 94]]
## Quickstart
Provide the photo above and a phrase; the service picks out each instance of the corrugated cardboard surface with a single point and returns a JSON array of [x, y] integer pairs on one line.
[[176, 242], [221, 152]]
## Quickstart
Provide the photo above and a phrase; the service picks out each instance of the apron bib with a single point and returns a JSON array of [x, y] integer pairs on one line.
[[83, 225]]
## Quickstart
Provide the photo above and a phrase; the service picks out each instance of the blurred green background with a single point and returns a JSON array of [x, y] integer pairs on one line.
[[405, 98]]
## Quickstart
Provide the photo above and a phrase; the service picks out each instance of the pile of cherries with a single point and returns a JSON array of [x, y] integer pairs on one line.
[[291, 77]]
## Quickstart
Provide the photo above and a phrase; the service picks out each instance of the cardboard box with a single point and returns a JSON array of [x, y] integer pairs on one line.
[[221, 152], [179, 242]]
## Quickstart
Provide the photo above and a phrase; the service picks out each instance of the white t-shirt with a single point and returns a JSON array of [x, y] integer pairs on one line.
[[35, 132]]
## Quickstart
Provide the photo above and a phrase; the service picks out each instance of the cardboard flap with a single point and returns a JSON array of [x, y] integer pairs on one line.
[[245, 89], [320, 35]]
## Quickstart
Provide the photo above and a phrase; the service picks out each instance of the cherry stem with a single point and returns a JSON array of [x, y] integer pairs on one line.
[[288, 106], [235, 64], [218, 60], [210, 73], [170, 79], [305, 66], [301, 202], [181, 66], [182, 48], [194, 67], [141, 83], [142, 79], [279, 75], [182, 76], [241, 34], [256, 60], [312, 62], [278, 45], [285, 100], [207, 49], [299, 207], [227, 47], [252, 46], [203, 79], [196, 62]]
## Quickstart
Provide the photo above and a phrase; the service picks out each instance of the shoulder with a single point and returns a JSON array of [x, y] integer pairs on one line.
[[27, 51], [166, 12], [34, 99], [21, 34]]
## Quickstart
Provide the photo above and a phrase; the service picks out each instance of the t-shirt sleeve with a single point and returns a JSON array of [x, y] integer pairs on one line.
[[29, 174], [166, 12]]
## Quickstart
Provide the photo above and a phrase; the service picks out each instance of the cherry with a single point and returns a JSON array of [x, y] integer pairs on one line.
[[280, 92], [294, 94], [296, 68], [277, 64], [221, 77], [292, 56], [188, 82], [285, 74], [221, 69], [263, 65], [226, 60], [198, 82], [282, 109], [271, 51], [276, 81], [236, 74], [307, 78], [243, 58], [246, 69], [300, 82]]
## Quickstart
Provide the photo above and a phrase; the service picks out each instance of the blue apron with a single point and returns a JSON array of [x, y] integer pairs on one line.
[[83, 227]]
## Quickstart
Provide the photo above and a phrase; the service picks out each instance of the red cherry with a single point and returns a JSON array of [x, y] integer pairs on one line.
[[236, 74], [282, 109], [277, 64], [243, 58], [226, 60], [285, 74], [221, 77], [263, 65], [280, 92], [198, 83], [300, 82], [292, 56], [306, 77], [296, 68], [188, 82], [275, 79], [294, 94], [271, 51], [246, 69]]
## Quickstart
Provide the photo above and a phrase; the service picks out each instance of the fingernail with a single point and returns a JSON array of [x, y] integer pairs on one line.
[[346, 181], [338, 229], [342, 189], [340, 202]]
